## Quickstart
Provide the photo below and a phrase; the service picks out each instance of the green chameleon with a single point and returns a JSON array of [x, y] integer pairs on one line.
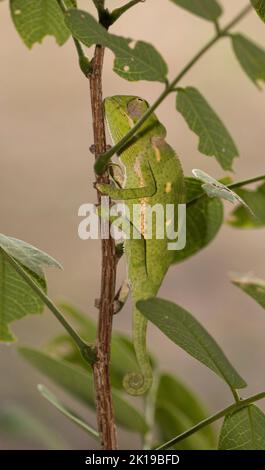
[[152, 174]]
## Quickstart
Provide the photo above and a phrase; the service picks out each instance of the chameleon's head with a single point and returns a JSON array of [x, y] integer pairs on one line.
[[122, 112]]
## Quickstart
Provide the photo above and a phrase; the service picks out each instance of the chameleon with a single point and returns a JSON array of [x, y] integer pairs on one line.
[[152, 174]]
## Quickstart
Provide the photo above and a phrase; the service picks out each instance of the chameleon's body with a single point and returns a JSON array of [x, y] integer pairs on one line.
[[152, 175]]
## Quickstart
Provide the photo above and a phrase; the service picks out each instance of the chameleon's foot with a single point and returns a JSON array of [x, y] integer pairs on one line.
[[103, 188], [92, 148], [119, 250], [117, 307], [136, 383], [121, 297]]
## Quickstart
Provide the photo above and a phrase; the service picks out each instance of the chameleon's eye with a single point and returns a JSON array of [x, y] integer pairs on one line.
[[136, 108]]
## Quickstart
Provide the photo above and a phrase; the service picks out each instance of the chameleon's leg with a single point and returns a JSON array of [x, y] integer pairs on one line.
[[116, 174], [119, 250], [121, 296], [123, 223], [137, 383], [148, 190]]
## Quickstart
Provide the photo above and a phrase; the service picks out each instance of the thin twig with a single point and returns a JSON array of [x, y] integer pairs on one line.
[[84, 62], [103, 159], [115, 14], [87, 352], [206, 422], [105, 415], [238, 184]]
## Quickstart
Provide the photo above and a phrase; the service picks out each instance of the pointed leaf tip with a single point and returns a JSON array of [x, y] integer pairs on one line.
[[185, 331]]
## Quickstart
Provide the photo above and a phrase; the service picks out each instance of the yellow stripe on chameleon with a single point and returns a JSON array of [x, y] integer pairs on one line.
[[168, 187]]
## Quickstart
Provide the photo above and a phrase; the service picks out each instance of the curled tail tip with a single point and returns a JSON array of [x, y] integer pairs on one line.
[[136, 383]]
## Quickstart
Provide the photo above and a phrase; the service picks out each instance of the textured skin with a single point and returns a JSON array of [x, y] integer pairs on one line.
[[152, 174]]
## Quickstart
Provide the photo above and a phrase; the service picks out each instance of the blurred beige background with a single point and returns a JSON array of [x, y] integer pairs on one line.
[[46, 173]]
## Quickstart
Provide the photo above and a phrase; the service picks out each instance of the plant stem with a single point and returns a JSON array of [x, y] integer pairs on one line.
[[99, 4], [230, 409], [65, 411], [115, 14], [84, 348], [84, 62], [103, 159], [239, 184], [105, 415]]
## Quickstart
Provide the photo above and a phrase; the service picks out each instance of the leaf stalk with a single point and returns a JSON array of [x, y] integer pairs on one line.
[[103, 159], [206, 422]]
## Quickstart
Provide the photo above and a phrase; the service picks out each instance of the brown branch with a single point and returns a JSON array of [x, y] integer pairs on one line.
[[105, 415]]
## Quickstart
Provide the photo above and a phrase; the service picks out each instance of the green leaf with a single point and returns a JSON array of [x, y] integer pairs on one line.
[[185, 331], [35, 19], [255, 199], [250, 56], [79, 383], [139, 61], [207, 9], [204, 220], [172, 422], [84, 324], [243, 430], [20, 424], [259, 6], [252, 286], [200, 117], [27, 255], [214, 188], [17, 298], [66, 411], [176, 404], [63, 347]]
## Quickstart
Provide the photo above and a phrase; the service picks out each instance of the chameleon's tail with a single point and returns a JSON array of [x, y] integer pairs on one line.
[[138, 383]]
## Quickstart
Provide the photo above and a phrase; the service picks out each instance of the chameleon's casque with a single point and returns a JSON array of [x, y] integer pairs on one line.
[[152, 174]]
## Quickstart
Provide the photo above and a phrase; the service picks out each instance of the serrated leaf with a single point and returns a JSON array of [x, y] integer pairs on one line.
[[17, 299], [255, 199], [28, 255], [204, 220], [177, 410], [139, 61], [215, 141], [207, 9], [35, 19], [250, 56], [185, 331], [243, 430], [214, 188], [79, 383], [252, 286], [259, 6], [51, 398]]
